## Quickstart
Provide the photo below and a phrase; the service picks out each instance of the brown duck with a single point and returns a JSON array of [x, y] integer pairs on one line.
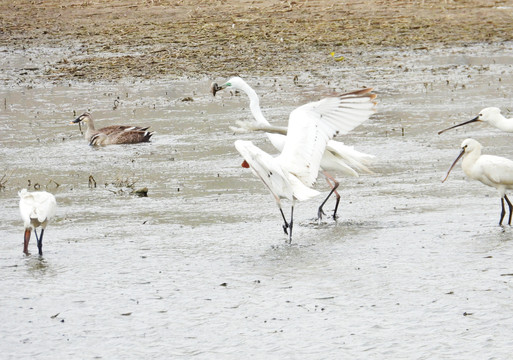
[[114, 134]]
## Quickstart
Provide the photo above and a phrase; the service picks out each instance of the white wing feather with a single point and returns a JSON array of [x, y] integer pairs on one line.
[[280, 183], [497, 169], [312, 125], [39, 205], [340, 157]]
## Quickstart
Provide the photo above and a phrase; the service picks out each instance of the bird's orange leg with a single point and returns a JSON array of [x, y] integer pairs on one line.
[[26, 240]]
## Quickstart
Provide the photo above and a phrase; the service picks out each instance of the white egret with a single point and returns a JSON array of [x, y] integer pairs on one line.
[[36, 209], [490, 115], [114, 134], [494, 171], [337, 157], [291, 174]]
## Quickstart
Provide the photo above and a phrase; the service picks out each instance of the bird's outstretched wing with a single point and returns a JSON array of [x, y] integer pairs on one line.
[[312, 125], [281, 184]]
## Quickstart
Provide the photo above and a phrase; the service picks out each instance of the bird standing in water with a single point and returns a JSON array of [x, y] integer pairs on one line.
[[36, 209], [292, 173], [337, 156], [494, 171]]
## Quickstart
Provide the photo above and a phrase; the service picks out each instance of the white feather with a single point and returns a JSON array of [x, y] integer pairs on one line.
[[270, 170], [342, 114], [36, 208]]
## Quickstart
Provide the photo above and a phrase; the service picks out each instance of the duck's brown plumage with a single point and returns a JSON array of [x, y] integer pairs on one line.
[[114, 134]]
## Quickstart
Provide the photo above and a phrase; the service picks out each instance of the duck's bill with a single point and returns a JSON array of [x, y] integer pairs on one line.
[[458, 125], [454, 164], [215, 88]]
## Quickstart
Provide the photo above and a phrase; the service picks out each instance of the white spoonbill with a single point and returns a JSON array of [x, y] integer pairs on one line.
[[36, 208], [291, 174], [490, 115], [491, 170], [337, 157], [274, 174]]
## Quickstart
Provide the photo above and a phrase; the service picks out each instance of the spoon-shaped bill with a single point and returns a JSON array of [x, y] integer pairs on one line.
[[453, 164], [458, 125]]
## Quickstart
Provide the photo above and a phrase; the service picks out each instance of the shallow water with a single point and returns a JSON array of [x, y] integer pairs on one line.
[[413, 268]]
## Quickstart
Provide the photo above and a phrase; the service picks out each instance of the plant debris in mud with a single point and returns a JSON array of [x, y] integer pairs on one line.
[[149, 39], [123, 186], [3, 181]]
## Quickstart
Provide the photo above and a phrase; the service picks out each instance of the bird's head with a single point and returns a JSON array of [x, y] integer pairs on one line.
[[85, 117], [233, 83], [488, 114], [467, 146]]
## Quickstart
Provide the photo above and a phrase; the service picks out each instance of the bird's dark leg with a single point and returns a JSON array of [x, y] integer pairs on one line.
[[503, 212], [26, 240], [510, 207], [333, 187], [38, 238], [40, 242], [286, 225], [291, 223]]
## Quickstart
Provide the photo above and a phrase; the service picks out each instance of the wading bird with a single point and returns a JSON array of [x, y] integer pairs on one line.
[[279, 180], [494, 171], [292, 173], [36, 209], [337, 157], [114, 134], [490, 115]]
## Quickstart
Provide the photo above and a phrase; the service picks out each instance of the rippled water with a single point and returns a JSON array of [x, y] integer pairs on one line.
[[199, 269]]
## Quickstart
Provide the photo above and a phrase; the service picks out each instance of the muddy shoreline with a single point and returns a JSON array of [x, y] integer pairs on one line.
[[199, 268], [96, 40]]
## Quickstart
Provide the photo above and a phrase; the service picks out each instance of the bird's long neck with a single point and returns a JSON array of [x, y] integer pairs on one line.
[[254, 105], [90, 124], [469, 160], [90, 131], [277, 140], [502, 123]]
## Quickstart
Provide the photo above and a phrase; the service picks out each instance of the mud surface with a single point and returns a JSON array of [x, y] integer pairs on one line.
[[199, 269], [148, 39]]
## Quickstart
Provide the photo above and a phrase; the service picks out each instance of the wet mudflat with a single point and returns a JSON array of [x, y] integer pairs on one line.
[[199, 269]]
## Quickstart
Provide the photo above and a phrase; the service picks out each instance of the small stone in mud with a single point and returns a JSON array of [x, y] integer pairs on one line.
[[188, 98], [141, 192]]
